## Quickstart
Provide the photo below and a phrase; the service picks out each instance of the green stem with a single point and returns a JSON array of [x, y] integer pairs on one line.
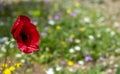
[[5, 61]]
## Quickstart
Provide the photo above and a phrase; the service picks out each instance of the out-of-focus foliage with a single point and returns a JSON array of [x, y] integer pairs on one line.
[[70, 33]]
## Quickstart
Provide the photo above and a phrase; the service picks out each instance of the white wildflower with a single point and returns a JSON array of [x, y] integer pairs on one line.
[[86, 19], [3, 49], [18, 55], [23, 60], [50, 71], [71, 50], [5, 39], [81, 62], [109, 71], [98, 35], [7, 42], [1, 55], [11, 45], [112, 33], [77, 48], [58, 68], [101, 19], [35, 22], [51, 22], [116, 24], [108, 30], [12, 39], [70, 69], [116, 65], [117, 50], [91, 37]]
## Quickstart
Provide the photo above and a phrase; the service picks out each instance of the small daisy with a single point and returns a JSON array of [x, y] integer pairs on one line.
[[18, 55], [3, 48], [116, 24], [77, 48], [112, 33], [70, 69], [58, 68], [11, 45], [98, 35], [71, 50], [23, 60], [81, 62], [91, 37], [5, 39], [51, 22], [50, 71], [86, 19]]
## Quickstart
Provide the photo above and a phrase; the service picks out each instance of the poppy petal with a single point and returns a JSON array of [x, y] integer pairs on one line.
[[26, 35]]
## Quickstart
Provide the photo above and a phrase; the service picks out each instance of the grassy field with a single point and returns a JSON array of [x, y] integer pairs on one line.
[[77, 37]]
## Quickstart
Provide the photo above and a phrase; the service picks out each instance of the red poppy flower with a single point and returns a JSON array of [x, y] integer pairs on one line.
[[26, 34]]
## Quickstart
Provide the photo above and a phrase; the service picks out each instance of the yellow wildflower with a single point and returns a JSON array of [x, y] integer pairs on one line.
[[70, 63], [18, 64], [63, 43], [42, 57], [68, 11], [77, 4], [16, 1], [12, 68], [72, 35], [81, 29], [9, 61], [49, 31], [58, 27], [4, 65], [77, 41], [56, 5], [7, 71]]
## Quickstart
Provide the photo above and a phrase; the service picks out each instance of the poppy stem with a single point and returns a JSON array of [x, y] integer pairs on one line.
[[5, 61]]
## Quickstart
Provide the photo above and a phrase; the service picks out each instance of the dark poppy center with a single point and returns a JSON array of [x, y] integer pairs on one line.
[[23, 36]]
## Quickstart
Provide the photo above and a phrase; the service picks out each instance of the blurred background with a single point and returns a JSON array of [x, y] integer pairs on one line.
[[77, 37]]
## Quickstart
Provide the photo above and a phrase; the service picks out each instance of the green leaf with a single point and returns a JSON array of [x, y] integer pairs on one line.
[[118, 71], [36, 12]]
